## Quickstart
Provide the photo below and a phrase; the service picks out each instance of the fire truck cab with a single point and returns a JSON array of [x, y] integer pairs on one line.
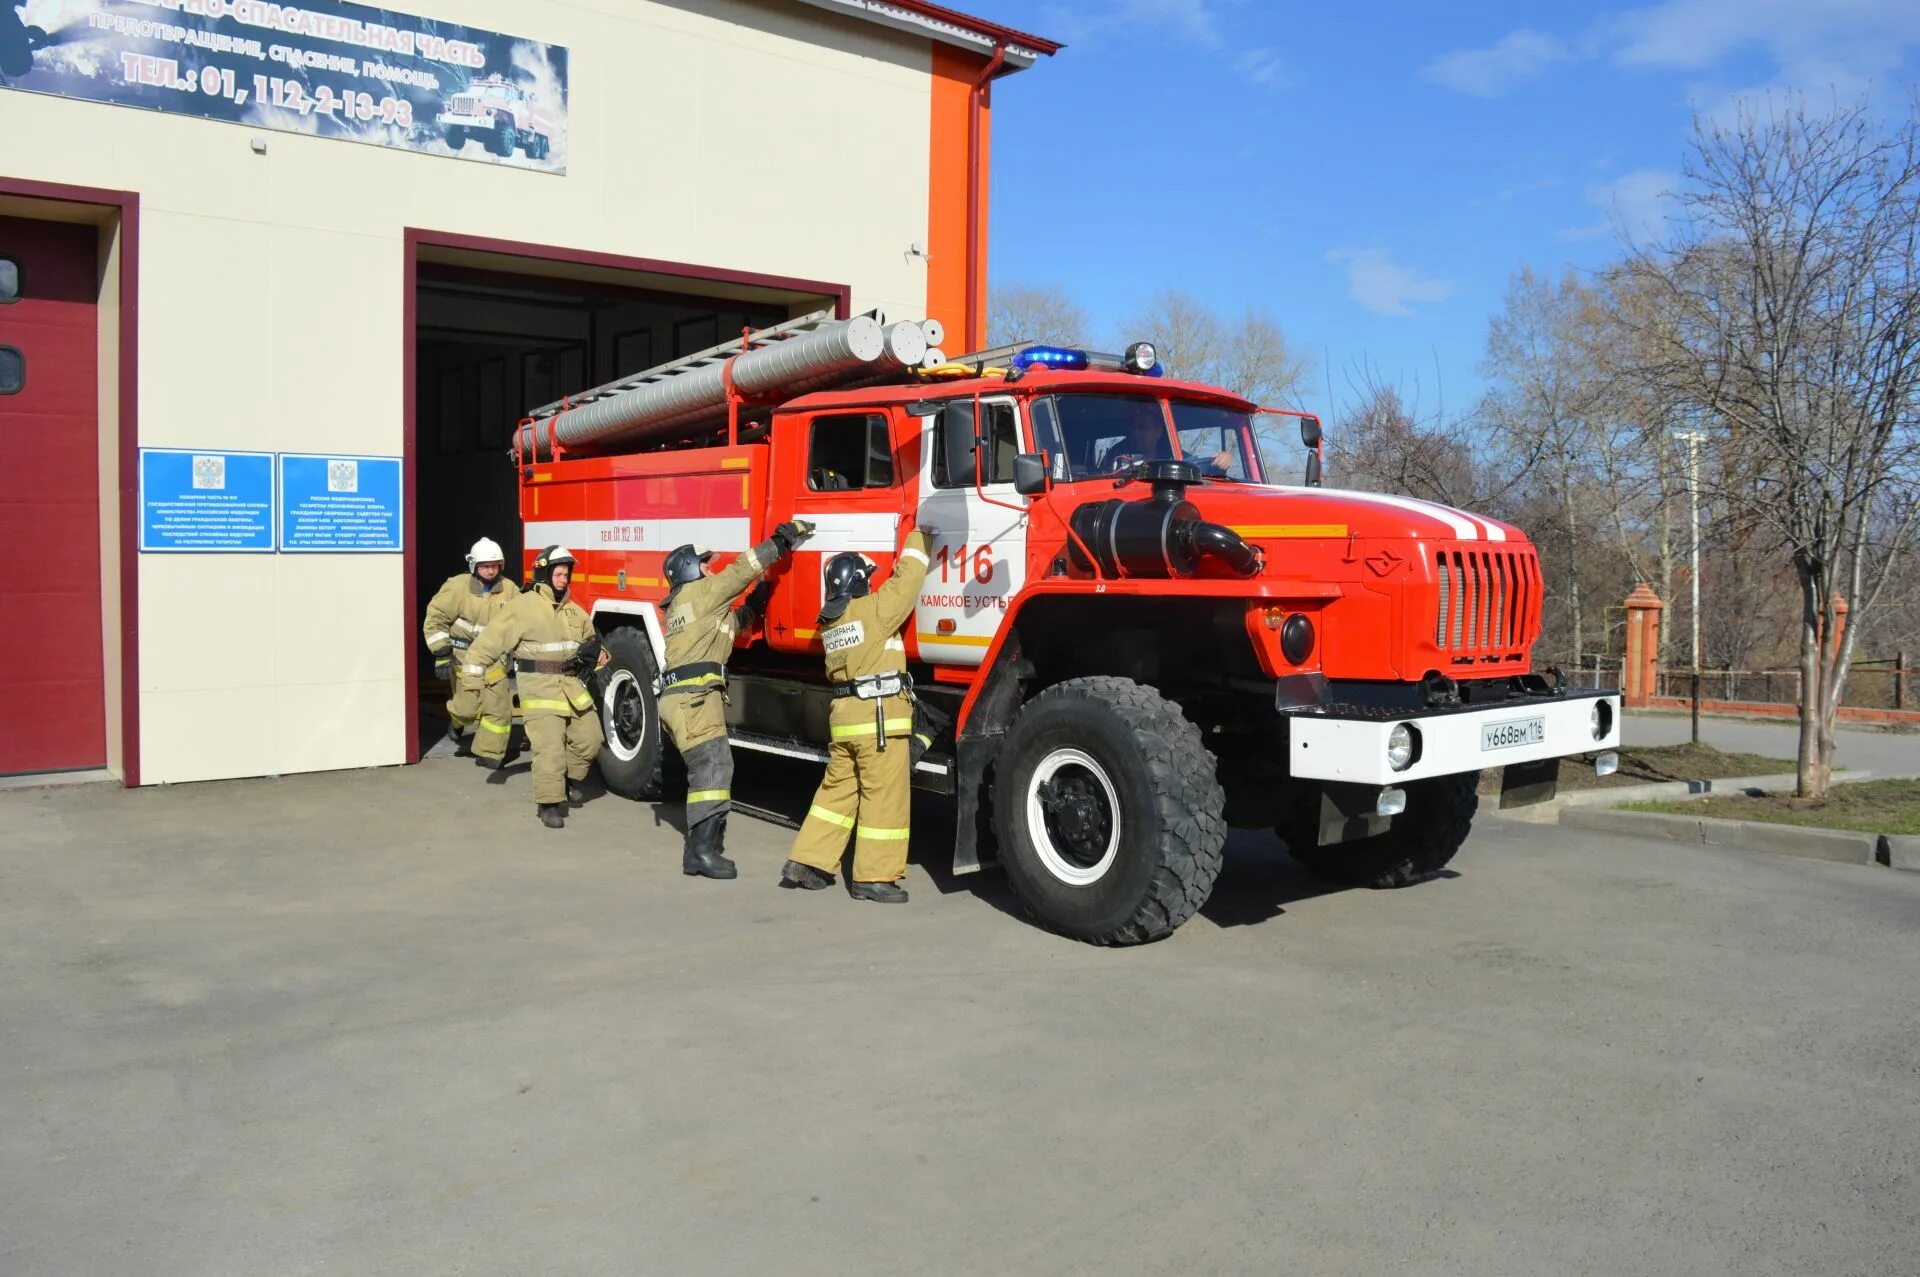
[[1133, 634]]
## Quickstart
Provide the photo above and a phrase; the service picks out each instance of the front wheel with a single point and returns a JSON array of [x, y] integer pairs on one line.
[[1418, 844], [456, 136], [633, 760], [504, 137], [1109, 817]]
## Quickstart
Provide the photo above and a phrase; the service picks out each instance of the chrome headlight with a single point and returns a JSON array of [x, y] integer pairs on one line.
[[1400, 747]]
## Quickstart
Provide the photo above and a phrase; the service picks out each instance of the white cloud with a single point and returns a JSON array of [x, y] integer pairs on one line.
[[1846, 46], [1810, 43], [1385, 287], [1261, 67], [1487, 73], [1635, 205], [1202, 23]]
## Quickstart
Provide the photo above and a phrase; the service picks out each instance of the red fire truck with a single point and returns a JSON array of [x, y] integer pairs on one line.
[[1137, 636]]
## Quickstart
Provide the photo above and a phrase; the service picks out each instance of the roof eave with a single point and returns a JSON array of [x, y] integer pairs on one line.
[[948, 26]]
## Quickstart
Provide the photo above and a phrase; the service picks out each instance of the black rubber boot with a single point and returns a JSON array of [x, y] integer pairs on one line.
[[805, 877], [702, 856], [491, 764], [553, 815], [460, 745], [886, 893], [575, 794]]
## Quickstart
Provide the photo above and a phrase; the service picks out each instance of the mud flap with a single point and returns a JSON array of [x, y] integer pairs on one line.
[[1525, 784]]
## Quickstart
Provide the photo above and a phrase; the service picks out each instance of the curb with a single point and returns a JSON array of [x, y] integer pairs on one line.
[[1659, 791], [1843, 846], [1902, 851]]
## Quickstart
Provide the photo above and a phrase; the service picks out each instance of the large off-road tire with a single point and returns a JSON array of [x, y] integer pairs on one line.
[[503, 138], [456, 136], [538, 148], [1108, 813], [633, 761], [1420, 842]]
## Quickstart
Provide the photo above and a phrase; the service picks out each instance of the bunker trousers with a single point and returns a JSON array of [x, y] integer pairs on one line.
[[563, 749], [488, 707], [866, 793]]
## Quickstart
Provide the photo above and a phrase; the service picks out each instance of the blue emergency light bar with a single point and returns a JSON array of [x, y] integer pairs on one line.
[[1140, 358]]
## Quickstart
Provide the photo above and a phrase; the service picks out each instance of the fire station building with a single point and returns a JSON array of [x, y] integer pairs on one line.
[[278, 280]]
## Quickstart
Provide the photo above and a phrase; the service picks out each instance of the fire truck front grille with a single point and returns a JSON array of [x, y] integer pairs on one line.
[[1489, 600]]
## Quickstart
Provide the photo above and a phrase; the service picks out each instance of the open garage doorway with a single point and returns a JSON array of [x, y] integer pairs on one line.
[[499, 329]]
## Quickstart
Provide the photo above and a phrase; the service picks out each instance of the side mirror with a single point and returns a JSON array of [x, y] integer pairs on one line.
[[1030, 473], [1310, 432], [1313, 469], [924, 408], [958, 440]]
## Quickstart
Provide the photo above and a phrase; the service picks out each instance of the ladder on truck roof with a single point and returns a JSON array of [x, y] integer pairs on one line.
[[701, 395], [688, 363]]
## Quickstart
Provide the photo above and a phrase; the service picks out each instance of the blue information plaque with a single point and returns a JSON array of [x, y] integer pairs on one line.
[[196, 501], [332, 504]]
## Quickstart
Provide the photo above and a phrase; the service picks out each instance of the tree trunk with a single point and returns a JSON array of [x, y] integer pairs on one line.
[[1809, 778], [1573, 575], [1666, 571]]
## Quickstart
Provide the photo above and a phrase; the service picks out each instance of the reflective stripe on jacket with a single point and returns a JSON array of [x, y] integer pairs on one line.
[[534, 629], [462, 608], [865, 639]]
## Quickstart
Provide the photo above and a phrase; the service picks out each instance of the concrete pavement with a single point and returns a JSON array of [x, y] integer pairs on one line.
[[1884, 753], [383, 1022]]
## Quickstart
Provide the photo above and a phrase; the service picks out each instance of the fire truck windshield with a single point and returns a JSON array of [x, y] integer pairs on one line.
[[1101, 433]]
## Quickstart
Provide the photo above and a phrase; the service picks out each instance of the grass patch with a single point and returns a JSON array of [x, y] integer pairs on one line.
[[1871, 807], [1644, 766]]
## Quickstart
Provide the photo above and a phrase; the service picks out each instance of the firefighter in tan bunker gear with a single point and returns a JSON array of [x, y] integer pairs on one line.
[[701, 625], [455, 617], [866, 791], [554, 650]]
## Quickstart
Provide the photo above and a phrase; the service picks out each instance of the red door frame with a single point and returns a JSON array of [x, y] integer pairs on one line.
[[416, 239], [127, 205]]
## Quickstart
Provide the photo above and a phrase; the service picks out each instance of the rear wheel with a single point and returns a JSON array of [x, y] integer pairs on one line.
[[1420, 842], [1108, 813], [633, 761]]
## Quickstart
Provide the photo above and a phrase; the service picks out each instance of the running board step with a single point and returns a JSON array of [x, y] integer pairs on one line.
[[933, 772]]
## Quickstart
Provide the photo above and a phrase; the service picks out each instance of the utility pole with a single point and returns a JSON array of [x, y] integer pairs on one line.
[[1693, 439]]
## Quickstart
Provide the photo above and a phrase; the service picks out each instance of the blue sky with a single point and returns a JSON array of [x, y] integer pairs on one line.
[[1370, 174]]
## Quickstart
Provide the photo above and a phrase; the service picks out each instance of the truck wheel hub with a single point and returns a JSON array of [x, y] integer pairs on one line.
[[1073, 814]]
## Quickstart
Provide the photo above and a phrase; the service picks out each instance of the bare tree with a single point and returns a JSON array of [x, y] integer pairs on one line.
[[1792, 321], [1035, 312], [1249, 355]]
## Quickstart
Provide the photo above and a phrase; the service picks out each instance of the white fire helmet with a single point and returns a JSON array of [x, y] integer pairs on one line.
[[485, 550]]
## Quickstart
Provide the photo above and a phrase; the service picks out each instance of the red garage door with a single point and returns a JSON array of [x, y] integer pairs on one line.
[[51, 685]]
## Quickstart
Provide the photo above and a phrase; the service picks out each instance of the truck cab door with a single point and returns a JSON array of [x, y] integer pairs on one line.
[[849, 484], [979, 530]]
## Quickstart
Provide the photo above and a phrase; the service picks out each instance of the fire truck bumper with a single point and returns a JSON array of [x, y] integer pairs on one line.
[[1358, 745], [464, 121]]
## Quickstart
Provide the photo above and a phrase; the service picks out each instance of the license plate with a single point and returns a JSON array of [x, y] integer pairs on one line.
[[1515, 731]]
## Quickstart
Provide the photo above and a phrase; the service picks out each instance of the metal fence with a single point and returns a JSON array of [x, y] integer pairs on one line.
[[1875, 684]]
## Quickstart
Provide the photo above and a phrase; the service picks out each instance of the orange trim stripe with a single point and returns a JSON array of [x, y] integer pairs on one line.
[[964, 640], [1281, 531]]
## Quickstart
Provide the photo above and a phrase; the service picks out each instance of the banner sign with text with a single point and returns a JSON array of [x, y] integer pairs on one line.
[[324, 67], [202, 502], [339, 505]]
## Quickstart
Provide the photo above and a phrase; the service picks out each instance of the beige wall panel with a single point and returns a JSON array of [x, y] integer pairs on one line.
[[336, 618], [200, 624], [209, 734], [271, 302], [205, 378], [331, 337], [327, 727]]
